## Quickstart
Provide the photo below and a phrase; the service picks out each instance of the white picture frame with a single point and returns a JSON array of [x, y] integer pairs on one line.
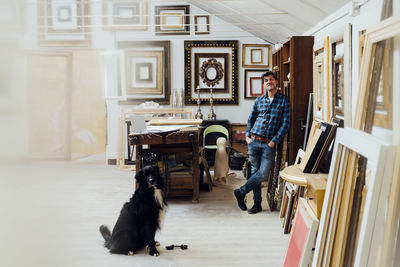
[[125, 15], [379, 165], [64, 23]]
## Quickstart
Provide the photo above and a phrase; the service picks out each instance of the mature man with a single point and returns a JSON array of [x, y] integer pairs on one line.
[[268, 124]]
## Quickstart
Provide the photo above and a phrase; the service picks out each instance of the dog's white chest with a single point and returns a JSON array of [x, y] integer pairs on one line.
[[159, 198]]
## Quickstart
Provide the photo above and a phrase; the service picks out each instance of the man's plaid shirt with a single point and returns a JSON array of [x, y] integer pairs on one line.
[[270, 120]]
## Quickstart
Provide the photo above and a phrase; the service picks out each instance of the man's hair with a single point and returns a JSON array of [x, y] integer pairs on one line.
[[267, 74]]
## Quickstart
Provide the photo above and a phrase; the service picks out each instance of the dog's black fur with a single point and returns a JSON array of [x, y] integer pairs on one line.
[[140, 217]]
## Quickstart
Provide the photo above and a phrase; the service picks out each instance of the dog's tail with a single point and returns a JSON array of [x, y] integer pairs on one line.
[[105, 232]]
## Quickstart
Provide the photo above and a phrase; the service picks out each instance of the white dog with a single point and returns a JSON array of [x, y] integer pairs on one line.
[[221, 167]]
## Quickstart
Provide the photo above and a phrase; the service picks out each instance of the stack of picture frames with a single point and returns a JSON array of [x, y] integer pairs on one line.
[[211, 64], [321, 137], [255, 56], [64, 23], [332, 76], [302, 238], [359, 220]]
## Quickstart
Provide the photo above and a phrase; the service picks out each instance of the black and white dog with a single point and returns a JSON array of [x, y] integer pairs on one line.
[[140, 217]]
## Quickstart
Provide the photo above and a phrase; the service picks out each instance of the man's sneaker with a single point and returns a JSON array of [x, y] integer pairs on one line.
[[256, 208], [240, 199]]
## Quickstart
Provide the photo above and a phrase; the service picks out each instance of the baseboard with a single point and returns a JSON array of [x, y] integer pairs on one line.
[[112, 161]]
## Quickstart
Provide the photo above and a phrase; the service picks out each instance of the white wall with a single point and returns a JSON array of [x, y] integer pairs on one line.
[[107, 41], [219, 30], [367, 16]]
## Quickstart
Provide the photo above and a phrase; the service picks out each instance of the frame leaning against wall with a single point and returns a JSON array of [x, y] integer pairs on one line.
[[336, 208], [322, 92], [341, 82], [389, 212]]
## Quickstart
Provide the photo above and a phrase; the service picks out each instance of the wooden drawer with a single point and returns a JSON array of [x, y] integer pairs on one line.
[[180, 184]]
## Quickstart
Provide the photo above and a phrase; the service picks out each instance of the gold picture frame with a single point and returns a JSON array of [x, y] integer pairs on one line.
[[156, 56], [321, 76], [249, 52], [171, 20], [137, 85]]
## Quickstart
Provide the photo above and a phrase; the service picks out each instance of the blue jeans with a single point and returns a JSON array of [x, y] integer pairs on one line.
[[262, 157]]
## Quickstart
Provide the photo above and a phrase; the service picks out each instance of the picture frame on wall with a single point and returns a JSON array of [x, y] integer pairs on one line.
[[253, 84], [256, 55], [147, 71], [171, 20], [140, 67], [211, 70], [125, 15], [202, 24], [220, 97], [64, 23]]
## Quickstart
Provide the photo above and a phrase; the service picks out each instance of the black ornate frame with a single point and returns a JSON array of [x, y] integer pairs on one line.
[[221, 70], [232, 84]]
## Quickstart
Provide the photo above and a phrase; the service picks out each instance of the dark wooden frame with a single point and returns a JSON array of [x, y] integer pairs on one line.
[[166, 65], [196, 24], [246, 77], [197, 70], [234, 74], [186, 20]]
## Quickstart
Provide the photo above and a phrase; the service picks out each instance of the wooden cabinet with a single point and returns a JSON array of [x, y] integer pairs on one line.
[[293, 63]]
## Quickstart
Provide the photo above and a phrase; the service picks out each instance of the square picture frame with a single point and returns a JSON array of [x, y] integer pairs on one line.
[[125, 15], [256, 56], [253, 85], [172, 20], [136, 84], [64, 23], [202, 24], [211, 69], [219, 98], [152, 84]]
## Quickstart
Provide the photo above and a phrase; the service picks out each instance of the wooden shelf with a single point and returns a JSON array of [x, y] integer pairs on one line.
[[295, 57]]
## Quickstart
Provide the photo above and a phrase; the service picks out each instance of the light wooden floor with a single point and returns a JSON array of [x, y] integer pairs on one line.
[[51, 212]]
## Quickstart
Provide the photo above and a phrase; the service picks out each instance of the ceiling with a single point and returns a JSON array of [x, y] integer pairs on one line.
[[271, 20]]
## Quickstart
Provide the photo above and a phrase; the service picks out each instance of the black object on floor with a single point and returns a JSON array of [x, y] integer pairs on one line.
[[171, 247]]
